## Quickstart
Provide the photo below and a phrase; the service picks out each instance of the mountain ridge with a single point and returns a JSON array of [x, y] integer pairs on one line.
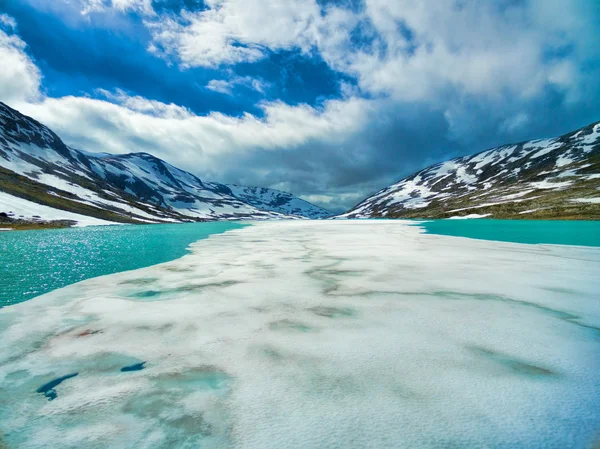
[[542, 178], [38, 167]]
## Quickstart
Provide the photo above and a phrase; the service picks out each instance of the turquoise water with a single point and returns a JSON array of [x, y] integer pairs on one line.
[[36, 262], [582, 233]]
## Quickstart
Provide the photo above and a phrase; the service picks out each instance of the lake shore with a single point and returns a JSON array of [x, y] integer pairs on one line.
[[338, 334]]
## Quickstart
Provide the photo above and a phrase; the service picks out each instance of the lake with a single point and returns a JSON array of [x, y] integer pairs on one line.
[[36, 262], [557, 232]]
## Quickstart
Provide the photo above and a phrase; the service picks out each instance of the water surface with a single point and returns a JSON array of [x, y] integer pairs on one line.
[[36, 262], [558, 232]]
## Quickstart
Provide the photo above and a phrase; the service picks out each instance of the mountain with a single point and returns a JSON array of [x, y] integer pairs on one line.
[[548, 178], [277, 201], [44, 179]]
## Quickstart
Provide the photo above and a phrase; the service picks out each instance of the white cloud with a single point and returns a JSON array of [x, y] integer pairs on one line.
[[7, 21], [19, 77], [227, 86], [232, 31], [478, 67], [411, 51], [143, 6], [192, 141], [515, 123], [221, 86]]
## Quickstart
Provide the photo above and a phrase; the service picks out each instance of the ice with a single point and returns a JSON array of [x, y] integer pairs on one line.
[[315, 334]]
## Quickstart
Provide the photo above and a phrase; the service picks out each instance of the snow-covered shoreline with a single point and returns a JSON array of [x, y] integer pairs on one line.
[[337, 334], [28, 210]]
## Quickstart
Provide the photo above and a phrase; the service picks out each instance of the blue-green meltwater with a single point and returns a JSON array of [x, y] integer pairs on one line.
[[36, 262], [557, 232]]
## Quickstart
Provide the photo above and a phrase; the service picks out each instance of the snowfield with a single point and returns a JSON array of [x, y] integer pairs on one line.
[[314, 334]]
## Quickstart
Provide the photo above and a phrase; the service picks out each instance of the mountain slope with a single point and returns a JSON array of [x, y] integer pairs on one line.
[[36, 166], [277, 201], [548, 178]]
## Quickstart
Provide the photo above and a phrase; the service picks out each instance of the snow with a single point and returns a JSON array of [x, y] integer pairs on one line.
[[464, 217], [547, 147], [512, 196], [568, 173], [592, 138], [548, 184], [528, 211], [25, 209], [586, 200], [484, 158], [564, 159], [315, 334]]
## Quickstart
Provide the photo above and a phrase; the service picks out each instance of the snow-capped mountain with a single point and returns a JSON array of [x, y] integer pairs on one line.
[[40, 175], [548, 178], [277, 201]]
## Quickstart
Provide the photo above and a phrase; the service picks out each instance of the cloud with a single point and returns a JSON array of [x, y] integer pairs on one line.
[[227, 86], [460, 57], [234, 31], [417, 85], [20, 78], [407, 49], [142, 6]]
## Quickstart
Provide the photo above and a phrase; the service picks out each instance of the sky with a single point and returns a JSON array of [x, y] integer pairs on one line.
[[329, 100]]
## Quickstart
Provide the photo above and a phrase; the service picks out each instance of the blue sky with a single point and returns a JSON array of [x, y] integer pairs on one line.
[[330, 100]]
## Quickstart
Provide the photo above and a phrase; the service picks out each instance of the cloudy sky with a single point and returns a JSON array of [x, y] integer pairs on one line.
[[330, 100]]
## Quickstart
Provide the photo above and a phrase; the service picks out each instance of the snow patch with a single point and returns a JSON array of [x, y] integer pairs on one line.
[[29, 210]]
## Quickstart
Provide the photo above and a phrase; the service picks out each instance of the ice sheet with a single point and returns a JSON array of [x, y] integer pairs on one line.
[[314, 334]]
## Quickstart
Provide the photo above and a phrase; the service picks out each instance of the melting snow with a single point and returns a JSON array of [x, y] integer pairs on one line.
[[322, 334]]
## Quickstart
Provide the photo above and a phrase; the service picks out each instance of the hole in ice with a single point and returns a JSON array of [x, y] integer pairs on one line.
[[135, 367], [331, 312], [290, 326], [48, 389]]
